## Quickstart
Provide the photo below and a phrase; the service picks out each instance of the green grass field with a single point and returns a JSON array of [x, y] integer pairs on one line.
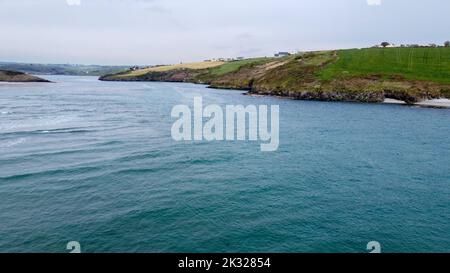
[[428, 64]]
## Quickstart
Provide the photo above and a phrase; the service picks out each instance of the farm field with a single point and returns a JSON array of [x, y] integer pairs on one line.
[[236, 65], [196, 65], [426, 64]]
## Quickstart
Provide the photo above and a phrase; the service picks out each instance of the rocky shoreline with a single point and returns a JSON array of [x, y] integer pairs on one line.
[[424, 99], [298, 77]]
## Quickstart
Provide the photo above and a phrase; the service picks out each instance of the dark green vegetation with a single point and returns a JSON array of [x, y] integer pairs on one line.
[[364, 75], [62, 69], [13, 76]]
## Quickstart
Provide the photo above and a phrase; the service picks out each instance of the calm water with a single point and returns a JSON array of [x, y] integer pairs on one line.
[[94, 162]]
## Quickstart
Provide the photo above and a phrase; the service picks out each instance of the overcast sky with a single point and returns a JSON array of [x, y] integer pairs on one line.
[[169, 31]]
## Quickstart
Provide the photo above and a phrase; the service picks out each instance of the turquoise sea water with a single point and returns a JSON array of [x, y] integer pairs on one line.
[[94, 162]]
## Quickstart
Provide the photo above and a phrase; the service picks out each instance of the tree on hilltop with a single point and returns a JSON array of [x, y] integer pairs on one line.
[[385, 44]]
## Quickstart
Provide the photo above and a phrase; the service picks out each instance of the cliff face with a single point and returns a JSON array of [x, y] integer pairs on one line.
[[300, 77], [13, 76]]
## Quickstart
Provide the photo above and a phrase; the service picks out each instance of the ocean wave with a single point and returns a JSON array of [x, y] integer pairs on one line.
[[140, 171], [11, 143], [65, 131], [35, 124], [49, 173], [142, 156], [204, 161], [108, 143], [51, 131]]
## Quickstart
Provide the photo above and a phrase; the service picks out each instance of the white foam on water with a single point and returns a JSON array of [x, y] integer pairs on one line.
[[11, 143], [36, 124]]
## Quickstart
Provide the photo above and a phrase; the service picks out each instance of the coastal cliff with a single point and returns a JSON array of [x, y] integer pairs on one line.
[[367, 75], [13, 76]]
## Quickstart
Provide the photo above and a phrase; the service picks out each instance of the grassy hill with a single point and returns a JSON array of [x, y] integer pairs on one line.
[[426, 64], [14, 76], [365, 75], [229, 67]]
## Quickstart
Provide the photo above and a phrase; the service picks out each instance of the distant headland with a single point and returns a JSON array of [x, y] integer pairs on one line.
[[408, 73], [14, 76]]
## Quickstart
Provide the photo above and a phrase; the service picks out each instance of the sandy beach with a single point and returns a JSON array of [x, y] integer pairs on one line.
[[437, 103], [440, 103], [393, 101]]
